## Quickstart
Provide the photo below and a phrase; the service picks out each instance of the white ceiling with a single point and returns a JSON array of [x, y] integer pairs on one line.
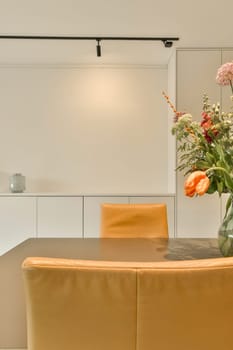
[[198, 23]]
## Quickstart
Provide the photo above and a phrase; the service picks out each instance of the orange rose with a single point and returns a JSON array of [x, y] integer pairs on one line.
[[196, 183]]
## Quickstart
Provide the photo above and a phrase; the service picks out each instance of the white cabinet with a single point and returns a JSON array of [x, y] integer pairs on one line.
[[17, 221], [23, 217], [92, 212], [59, 216], [168, 200]]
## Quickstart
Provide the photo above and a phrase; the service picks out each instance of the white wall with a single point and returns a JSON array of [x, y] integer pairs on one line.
[[171, 139], [84, 129]]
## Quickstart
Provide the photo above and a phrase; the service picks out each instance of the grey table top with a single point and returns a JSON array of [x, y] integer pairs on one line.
[[112, 249]]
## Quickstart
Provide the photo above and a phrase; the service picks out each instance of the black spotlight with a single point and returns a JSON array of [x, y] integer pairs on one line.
[[98, 48], [167, 43]]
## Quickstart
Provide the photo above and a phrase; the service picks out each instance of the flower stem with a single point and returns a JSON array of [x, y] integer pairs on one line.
[[231, 86], [217, 168]]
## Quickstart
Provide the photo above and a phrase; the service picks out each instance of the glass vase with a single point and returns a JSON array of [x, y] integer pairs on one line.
[[225, 232], [17, 183]]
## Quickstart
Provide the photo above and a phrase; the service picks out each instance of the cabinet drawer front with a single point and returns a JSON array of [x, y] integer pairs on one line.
[[60, 216]]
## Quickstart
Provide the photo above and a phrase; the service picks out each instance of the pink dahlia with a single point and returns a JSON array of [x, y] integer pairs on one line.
[[225, 74]]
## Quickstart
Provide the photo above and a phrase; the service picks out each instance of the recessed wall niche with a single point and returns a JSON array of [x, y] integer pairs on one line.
[[84, 129]]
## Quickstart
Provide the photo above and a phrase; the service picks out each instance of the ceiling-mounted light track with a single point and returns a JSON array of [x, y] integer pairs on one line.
[[167, 41]]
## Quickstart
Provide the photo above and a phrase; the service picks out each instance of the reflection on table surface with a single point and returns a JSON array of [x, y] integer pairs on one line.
[[156, 249]]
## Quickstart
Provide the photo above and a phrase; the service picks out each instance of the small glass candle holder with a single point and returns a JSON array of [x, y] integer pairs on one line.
[[17, 183]]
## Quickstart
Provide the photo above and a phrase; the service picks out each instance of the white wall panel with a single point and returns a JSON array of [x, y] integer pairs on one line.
[[84, 129], [171, 139], [227, 56], [17, 221], [59, 216], [196, 72]]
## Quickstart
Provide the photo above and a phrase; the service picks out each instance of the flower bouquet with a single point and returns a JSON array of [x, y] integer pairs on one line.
[[205, 153]]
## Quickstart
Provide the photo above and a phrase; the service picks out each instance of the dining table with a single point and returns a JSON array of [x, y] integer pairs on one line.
[[119, 249]]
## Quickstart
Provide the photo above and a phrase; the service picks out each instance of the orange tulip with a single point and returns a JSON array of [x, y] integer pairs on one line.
[[197, 183]]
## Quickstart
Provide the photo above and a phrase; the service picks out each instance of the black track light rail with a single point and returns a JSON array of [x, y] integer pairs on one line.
[[65, 37], [167, 41]]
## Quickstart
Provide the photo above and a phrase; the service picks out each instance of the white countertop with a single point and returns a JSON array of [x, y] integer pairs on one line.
[[62, 194]]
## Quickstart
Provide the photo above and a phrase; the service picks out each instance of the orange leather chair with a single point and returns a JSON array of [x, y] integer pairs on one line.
[[79, 305], [134, 220], [186, 305], [97, 305]]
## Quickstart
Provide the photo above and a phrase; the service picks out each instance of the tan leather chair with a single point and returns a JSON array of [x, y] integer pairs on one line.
[[79, 305], [133, 220], [97, 305], [186, 305]]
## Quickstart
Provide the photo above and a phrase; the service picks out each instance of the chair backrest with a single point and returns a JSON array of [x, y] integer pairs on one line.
[[133, 220], [186, 305], [73, 304]]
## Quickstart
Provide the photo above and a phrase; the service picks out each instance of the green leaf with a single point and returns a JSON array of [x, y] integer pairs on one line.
[[212, 188], [228, 181], [210, 158], [220, 187], [201, 164]]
